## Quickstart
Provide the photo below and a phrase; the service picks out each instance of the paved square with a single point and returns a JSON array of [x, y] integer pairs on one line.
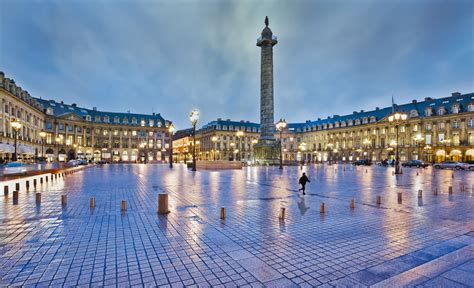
[[424, 241]]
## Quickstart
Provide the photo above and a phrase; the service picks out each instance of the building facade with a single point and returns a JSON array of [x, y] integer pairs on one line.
[[71, 132], [18, 105], [435, 130]]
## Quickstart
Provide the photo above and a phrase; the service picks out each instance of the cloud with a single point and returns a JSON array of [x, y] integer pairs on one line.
[[333, 57]]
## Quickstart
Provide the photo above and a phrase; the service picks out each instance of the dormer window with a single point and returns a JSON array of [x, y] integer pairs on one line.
[[470, 107], [365, 120], [97, 119], [337, 124], [428, 112], [142, 122], [441, 110], [455, 108], [88, 118], [106, 119], [357, 122], [343, 123], [116, 119], [373, 119], [350, 122], [151, 122], [50, 111], [125, 120], [134, 120], [413, 113], [159, 124]]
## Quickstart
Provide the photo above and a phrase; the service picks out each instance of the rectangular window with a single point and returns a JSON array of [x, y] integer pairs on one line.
[[428, 139]]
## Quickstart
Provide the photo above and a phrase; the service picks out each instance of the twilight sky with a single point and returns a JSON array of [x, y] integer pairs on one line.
[[333, 57]]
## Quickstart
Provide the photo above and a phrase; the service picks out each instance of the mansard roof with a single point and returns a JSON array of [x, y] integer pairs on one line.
[[60, 109]]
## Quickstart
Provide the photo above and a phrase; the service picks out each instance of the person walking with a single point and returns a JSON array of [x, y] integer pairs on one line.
[[303, 180]]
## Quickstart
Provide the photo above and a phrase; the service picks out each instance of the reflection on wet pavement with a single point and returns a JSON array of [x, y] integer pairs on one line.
[[51, 244]]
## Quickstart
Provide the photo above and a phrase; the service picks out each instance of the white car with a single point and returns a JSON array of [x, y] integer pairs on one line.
[[451, 165], [15, 168]]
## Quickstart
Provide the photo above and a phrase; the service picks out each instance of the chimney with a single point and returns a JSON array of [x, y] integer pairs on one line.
[[377, 108], [94, 108], [454, 94], [219, 119], [428, 98], [73, 105], [62, 102], [414, 101], [354, 112], [361, 111]]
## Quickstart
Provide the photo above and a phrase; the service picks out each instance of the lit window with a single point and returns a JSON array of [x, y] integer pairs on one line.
[[142, 123], [134, 133]]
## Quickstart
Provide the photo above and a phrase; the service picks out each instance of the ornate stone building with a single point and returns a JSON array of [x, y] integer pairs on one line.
[[74, 132], [18, 105], [435, 130]]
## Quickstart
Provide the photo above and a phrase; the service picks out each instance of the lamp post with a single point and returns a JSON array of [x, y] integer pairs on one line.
[[418, 139], [171, 130], [330, 145], [239, 135], [280, 125], [58, 139], [446, 142], [366, 145], [194, 117], [397, 119], [16, 125], [214, 140], [42, 134], [302, 148], [254, 141]]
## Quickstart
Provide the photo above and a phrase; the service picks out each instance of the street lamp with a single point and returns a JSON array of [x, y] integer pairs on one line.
[[418, 139], [330, 145], [397, 119], [280, 125], [254, 141], [42, 134], [302, 147], [58, 139], [16, 125], [214, 140], [194, 117], [446, 142], [240, 134], [366, 143], [171, 130]]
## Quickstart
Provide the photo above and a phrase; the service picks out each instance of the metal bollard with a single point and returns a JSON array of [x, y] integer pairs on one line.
[[352, 205], [416, 173], [15, 197], [64, 200], [321, 208], [450, 189], [379, 200], [5, 191], [365, 171], [222, 213], [282, 213], [41, 180], [17, 186], [27, 185], [462, 187], [420, 194], [163, 203], [56, 176], [92, 202], [435, 191], [452, 175], [38, 198], [399, 197], [35, 183], [124, 205], [52, 177]]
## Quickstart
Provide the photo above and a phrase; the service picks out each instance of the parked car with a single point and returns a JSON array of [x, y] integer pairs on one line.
[[470, 166], [363, 162], [72, 163], [451, 165], [82, 162], [415, 163], [386, 162], [16, 168]]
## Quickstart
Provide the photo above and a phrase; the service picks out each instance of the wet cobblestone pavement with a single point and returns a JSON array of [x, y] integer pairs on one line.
[[426, 241]]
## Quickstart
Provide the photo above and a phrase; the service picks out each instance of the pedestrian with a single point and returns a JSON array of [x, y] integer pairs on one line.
[[303, 180]]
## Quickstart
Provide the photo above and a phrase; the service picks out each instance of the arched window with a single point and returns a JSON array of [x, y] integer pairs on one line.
[[441, 110], [470, 107], [428, 111], [413, 113], [455, 109]]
